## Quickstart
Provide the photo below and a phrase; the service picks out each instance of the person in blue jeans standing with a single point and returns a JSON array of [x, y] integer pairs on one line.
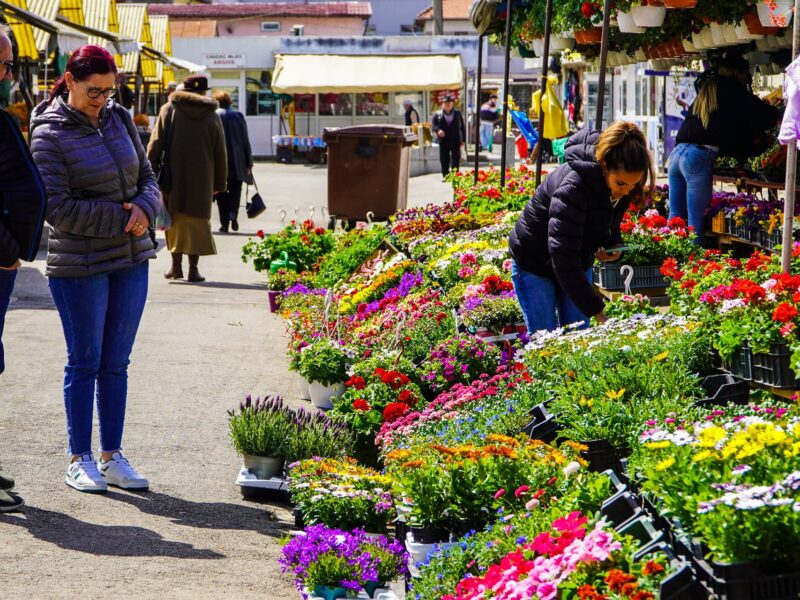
[[726, 119], [22, 204], [573, 218], [101, 198]]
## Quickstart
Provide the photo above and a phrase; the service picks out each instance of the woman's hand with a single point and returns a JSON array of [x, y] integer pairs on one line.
[[13, 267], [605, 256], [138, 223]]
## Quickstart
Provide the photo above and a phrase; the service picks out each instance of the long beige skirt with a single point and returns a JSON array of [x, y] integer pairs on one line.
[[190, 235]]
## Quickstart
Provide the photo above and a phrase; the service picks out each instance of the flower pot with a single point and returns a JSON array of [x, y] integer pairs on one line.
[[589, 36], [648, 16], [717, 34], [603, 455], [275, 298], [321, 395], [560, 44], [688, 47], [419, 552], [305, 390], [729, 31], [680, 4], [778, 13], [329, 593], [698, 42], [372, 587], [754, 26], [538, 46], [626, 24], [429, 535], [263, 467], [708, 38], [639, 55]]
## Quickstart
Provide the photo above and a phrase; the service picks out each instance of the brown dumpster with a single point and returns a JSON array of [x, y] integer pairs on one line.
[[368, 169]]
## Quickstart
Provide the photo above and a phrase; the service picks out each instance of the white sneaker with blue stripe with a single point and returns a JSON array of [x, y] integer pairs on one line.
[[118, 472], [84, 476]]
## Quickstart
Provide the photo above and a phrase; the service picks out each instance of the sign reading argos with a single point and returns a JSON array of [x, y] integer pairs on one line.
[[225, 60]]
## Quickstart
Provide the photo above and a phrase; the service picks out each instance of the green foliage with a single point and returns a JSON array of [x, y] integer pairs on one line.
[[304, 244], [325, 362], [351, 251]]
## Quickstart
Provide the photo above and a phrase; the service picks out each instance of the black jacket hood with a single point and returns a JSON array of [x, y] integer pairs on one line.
[[579, 153]]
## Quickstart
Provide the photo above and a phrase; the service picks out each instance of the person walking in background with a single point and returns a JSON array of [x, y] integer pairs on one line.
[[240, 161], [573, 218], [198, 168], [715, 127], [411, 114], [488, 118], [101, 198], [23, 200], [448, 126]]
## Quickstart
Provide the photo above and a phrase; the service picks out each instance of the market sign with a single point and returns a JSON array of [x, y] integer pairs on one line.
[[225, 60]]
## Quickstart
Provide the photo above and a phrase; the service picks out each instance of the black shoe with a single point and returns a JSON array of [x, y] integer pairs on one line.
[[10, 503], [235, 225], [6, 484], [223, 229]]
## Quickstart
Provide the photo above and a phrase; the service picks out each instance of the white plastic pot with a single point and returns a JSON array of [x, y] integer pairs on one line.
[[781, 16], [729, 31], [321, 395], [717, 34], [419, 552], [304, 387], [263, 467], [648, 16], [538, 46], [639, 55], [743, 33], [698, 42], [560, 44], [708, 38], [626, 24], [688, 46]]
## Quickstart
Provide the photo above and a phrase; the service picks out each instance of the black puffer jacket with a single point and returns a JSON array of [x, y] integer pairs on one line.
[[22, 197], [568, 219], [89, 173], [237, 143]]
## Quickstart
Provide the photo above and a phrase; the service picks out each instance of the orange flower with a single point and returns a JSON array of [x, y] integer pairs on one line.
[[502, 439], [652, 567], [413, 464], [616, 579]]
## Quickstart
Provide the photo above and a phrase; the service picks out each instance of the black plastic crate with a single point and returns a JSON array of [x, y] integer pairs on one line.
[[746, 581], [542, 426], [608, 277], [620, 508], [771, 241], [774, 367], [741, 364], [682, 585], [724, 389], [602, 455]]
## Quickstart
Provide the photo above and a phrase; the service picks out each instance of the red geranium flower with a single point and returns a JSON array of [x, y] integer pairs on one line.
[[676, 222], [627, 226], [260, 233], [360, 404], [407, 397], [587, 10], [394, 410], [356, 382], [394, 379], [784, 313]]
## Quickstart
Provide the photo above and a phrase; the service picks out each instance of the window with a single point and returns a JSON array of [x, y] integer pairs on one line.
[[260, 98], [335, 105], [416, 101], [305, 103], [372, 105], [232, 90], [269, 26]]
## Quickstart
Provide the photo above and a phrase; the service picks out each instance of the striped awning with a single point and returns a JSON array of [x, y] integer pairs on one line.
[[32, 42], [134, 23], [21, 28]]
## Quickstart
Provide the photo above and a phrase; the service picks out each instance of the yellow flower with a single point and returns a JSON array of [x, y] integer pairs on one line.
[[584, 402], [662, 356], [710, 436], [615, 395], [701, 456], [657, 445], [665, 464]]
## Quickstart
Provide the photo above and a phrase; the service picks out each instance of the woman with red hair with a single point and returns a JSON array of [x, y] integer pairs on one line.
[[101, 198]]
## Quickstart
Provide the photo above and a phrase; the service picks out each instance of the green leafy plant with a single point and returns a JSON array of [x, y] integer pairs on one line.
[[325, 362], [304, 244], [494, 313], [351, 251]]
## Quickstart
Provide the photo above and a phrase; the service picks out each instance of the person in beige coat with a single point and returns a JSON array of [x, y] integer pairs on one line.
[[198, 167]]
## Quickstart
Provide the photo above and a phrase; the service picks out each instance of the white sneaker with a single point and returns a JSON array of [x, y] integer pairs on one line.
[[84, 476], [120, 473]]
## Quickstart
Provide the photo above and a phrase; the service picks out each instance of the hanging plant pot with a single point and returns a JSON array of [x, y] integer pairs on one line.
[[698, 42], [538, 46], [680, 4], [755, 27], [688, 47], [729, 31], [648, 16], [717, 35], [589, 36], [321, 395], [640, 55], [775, 13], [708, 38], [560, 44], [744, 34], [626, 24]]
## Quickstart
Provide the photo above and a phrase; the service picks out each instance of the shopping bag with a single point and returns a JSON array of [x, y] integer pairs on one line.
[[255, 206], [163, 218]]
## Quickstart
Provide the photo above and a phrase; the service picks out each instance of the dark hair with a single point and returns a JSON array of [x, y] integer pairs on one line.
[[223, 99], [85, 62], [623, 147]]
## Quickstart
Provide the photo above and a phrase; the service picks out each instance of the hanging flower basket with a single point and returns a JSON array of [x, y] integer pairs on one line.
[[538, 46], [626, 24], [755, 27], [680, 3], [775, 13], [589, 36], [648, 16], [559, 43]]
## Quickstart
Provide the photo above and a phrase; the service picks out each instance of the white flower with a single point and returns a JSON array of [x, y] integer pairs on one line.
[[572, 468]]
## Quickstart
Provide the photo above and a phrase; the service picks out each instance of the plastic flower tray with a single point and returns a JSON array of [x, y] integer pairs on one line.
[[724, 389], [741, 365], [774, 368], [771, 241], [608, 277], [602, 455], [543, 425], [746, 581]]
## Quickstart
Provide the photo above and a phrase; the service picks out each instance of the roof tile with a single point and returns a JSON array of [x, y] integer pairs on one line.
[[262, 9]]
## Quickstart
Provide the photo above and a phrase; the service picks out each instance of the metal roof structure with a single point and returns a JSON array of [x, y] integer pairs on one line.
[[47, 9], [134, 22], [263, 9], [28, 25], [22, 29], [162, 41]]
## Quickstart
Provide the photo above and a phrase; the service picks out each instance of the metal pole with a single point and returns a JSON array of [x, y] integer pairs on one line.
[[504, 149], [438, 18], [478, 103], [791, 166], [601, 83], [548, 18]]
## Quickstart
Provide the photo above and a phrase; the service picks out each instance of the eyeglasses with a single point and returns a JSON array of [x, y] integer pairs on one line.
[[8, 64], [94, 93]]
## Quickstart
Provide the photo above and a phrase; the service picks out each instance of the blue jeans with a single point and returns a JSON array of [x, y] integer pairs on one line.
[[691, 169], [6, 286], [100, 316], [487, 130], [544, 304]]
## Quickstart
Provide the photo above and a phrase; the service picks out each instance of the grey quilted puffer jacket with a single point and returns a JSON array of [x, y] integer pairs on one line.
[[88, 174]]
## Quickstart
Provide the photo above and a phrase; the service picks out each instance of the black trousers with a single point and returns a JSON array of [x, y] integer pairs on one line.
[[228, 202], [450, 157]]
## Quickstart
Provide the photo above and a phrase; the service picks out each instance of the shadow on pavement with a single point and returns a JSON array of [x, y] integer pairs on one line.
[[70, 533], [31, 290], [205, 515], [222, 285]]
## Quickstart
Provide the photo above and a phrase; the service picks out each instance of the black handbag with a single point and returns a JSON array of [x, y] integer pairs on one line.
[[164, 177], [256, 204]]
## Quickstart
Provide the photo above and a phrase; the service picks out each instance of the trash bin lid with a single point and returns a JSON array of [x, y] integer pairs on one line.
[[407, 135]]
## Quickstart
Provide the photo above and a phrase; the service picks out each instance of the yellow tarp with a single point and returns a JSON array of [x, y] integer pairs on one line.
[[134, 23], [555, 121], [23, 32], [307, 74]]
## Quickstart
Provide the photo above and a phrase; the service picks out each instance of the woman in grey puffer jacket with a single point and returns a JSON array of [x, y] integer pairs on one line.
[[101, 198]]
